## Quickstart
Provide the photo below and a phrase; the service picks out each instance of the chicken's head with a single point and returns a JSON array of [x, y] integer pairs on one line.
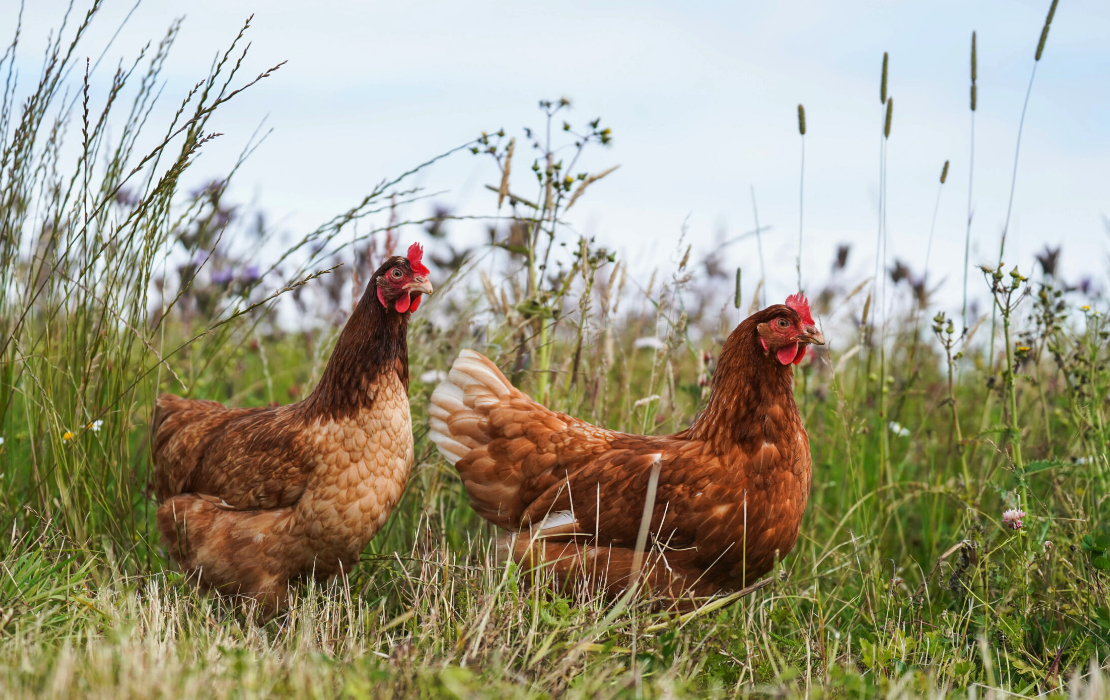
[[788, 329], [401, 281]]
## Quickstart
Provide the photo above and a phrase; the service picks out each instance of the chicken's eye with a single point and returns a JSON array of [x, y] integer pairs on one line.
[[783, 323], [397, 273]]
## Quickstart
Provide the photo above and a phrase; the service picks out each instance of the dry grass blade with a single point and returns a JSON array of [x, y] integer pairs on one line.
[[709, 606], [513, 197], [503, 191], [645, 522], [586, 183]]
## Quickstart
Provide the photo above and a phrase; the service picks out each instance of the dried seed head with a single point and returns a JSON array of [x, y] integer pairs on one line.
[[889, 110], [882, 88], [974, 72], [944, 173], [801, 120], [974, 63], [1044, 32]]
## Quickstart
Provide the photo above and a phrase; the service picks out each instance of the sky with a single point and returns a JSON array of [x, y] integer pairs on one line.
[[702, 101]]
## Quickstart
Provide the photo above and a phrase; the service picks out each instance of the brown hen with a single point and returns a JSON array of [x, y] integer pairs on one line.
[[726, 495], [252, 498]]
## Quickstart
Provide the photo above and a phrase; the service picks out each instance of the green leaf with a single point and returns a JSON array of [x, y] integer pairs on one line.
[[518, 249], [1101, 562], [1102, 542], [1043, 465], [994, 429]]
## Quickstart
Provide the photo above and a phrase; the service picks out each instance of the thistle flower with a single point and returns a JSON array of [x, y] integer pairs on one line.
[[1013, 517]]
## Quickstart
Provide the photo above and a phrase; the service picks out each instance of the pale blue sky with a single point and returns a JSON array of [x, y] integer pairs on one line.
[[702, 101]]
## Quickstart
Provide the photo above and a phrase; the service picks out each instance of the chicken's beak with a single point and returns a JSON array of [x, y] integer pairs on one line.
[[421, 285], [812, 335]]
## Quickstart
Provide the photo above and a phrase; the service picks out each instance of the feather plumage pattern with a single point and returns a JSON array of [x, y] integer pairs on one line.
[[728, 495], [253, 498]]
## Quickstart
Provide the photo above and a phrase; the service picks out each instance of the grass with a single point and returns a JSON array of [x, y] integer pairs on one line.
[[905, 582]]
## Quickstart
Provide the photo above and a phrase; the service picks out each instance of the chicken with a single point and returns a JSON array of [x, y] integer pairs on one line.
[[252, 498], [726, 495]]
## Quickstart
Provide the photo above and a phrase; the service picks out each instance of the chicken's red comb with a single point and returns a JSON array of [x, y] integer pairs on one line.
[[799, 303], [416, 253]]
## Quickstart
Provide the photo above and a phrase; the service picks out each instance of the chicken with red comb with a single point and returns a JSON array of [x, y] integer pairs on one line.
[[723, 498], [253, 498]]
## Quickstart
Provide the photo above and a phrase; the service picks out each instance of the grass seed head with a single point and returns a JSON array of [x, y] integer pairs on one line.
[[882, 87], [1044, 32], [974, 71], [944, 173], [889, 113], [801, 120]]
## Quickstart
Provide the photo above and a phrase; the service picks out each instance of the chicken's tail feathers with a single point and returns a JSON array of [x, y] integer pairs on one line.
[[460, 404]]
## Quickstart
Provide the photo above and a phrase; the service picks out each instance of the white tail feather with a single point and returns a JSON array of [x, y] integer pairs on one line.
[[473, 386]]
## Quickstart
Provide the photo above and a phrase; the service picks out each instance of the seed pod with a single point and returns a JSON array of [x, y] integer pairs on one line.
[[944, 173], [801, 120], [882, 88], [889, 110], [1044, 32]]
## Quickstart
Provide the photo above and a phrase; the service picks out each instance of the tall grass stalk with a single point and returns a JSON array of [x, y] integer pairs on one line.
[[759, 243], [801, 190], [933, 224], [1017, 153], [973, 103]]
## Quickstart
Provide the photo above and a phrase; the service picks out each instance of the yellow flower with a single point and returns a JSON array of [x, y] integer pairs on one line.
[[67, 436], [1085, 307]]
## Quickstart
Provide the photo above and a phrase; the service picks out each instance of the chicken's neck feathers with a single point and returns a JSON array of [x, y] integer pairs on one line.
[[752, 400], [372, 347]]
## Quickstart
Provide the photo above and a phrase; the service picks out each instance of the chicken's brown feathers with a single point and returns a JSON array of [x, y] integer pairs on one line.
[[254, 497], [730, 491]]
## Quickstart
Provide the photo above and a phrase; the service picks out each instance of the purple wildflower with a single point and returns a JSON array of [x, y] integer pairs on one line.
[[250, 274], [1012, 517], [223, 277]]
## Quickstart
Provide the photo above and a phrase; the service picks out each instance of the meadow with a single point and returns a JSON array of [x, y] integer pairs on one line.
[[953, 543]]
